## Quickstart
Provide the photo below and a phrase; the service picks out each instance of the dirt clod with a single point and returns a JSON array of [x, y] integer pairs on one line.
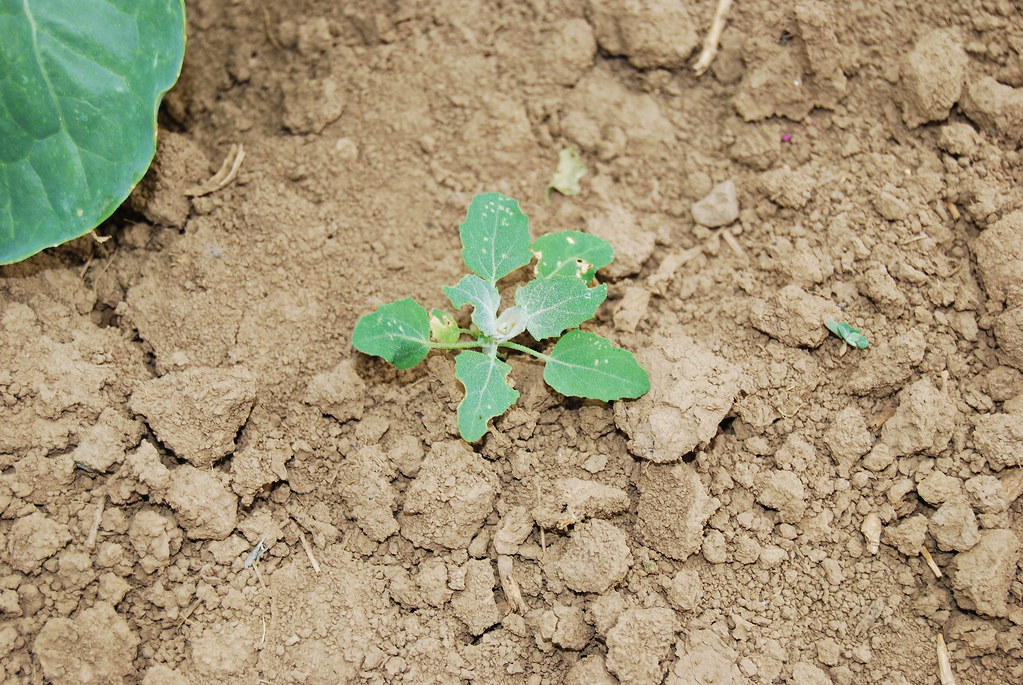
[[197, 412], [449, 499], [638, 644], [696, 392], [982, 575], [96, 647], [932, 78], [594, 558]]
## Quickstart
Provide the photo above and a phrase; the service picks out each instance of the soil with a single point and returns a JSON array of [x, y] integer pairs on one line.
[[778, 509]]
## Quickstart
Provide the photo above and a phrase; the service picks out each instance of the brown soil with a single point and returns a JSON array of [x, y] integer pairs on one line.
[[187, 389]]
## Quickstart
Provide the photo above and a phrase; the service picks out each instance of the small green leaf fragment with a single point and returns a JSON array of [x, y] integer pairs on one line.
[[551, 305], [495, 236], [484, 298], [569, 171], [586, 365], [848, 333], [443, 327], [399, 332], [487, 393], [571, 253]]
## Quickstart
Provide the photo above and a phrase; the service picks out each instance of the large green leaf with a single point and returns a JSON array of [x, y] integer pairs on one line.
[[399, 332], [495, 236], [587, 365], [550, 305], [487, 393], [80, 84], [571, 253]]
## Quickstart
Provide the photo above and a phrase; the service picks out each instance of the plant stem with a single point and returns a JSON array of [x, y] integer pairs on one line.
[[523, 348], [455, 345]]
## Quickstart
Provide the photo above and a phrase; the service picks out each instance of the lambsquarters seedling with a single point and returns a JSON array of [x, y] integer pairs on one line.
[[495, 242]]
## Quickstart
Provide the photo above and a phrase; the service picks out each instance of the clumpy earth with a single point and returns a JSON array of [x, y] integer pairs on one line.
[[778, 509]]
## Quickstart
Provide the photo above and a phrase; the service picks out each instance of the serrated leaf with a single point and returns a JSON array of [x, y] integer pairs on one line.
[[586, 365], [443, 327], [399, 332], [568, 173], [551, 305], [80, 84], [495, 236], [487, 393], [484, 298], [571, 253]]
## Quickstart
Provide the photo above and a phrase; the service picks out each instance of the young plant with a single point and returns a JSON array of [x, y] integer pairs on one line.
[[849, 334], [495, 242]]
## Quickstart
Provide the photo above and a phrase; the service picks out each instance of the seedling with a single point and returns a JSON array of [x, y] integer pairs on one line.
[[495, 242], [849, 334]]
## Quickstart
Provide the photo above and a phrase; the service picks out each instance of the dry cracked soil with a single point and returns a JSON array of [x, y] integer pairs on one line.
[[778, 509]]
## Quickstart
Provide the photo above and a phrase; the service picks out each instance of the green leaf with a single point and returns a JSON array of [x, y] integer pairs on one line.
[[571, 253], [399, 332], [80, 84], [495, 236], [587, 365], [443, 327], [848, 333], [566, 177], [487, 393], [550, 305], [482, 296]]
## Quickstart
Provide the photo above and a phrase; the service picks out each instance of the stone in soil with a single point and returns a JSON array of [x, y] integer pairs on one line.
[[719, 208]]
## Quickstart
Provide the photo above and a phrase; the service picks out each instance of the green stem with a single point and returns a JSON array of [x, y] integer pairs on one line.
[[523, 348], [455, 345]]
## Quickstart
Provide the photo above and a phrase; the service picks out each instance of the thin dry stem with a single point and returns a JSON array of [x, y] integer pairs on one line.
[[90, 540], [944, 663], [710, 43], [929, 560], [512, 593], [309, 552], [227, 173]]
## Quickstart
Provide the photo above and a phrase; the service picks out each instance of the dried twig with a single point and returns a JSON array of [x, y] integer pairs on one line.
[[512, 593], [308, 552], [929, 560], [944, 663], [225, 175], [187, 613], [732, 243], [269, 31], [710, 43], [90, 540], [259, 576]]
